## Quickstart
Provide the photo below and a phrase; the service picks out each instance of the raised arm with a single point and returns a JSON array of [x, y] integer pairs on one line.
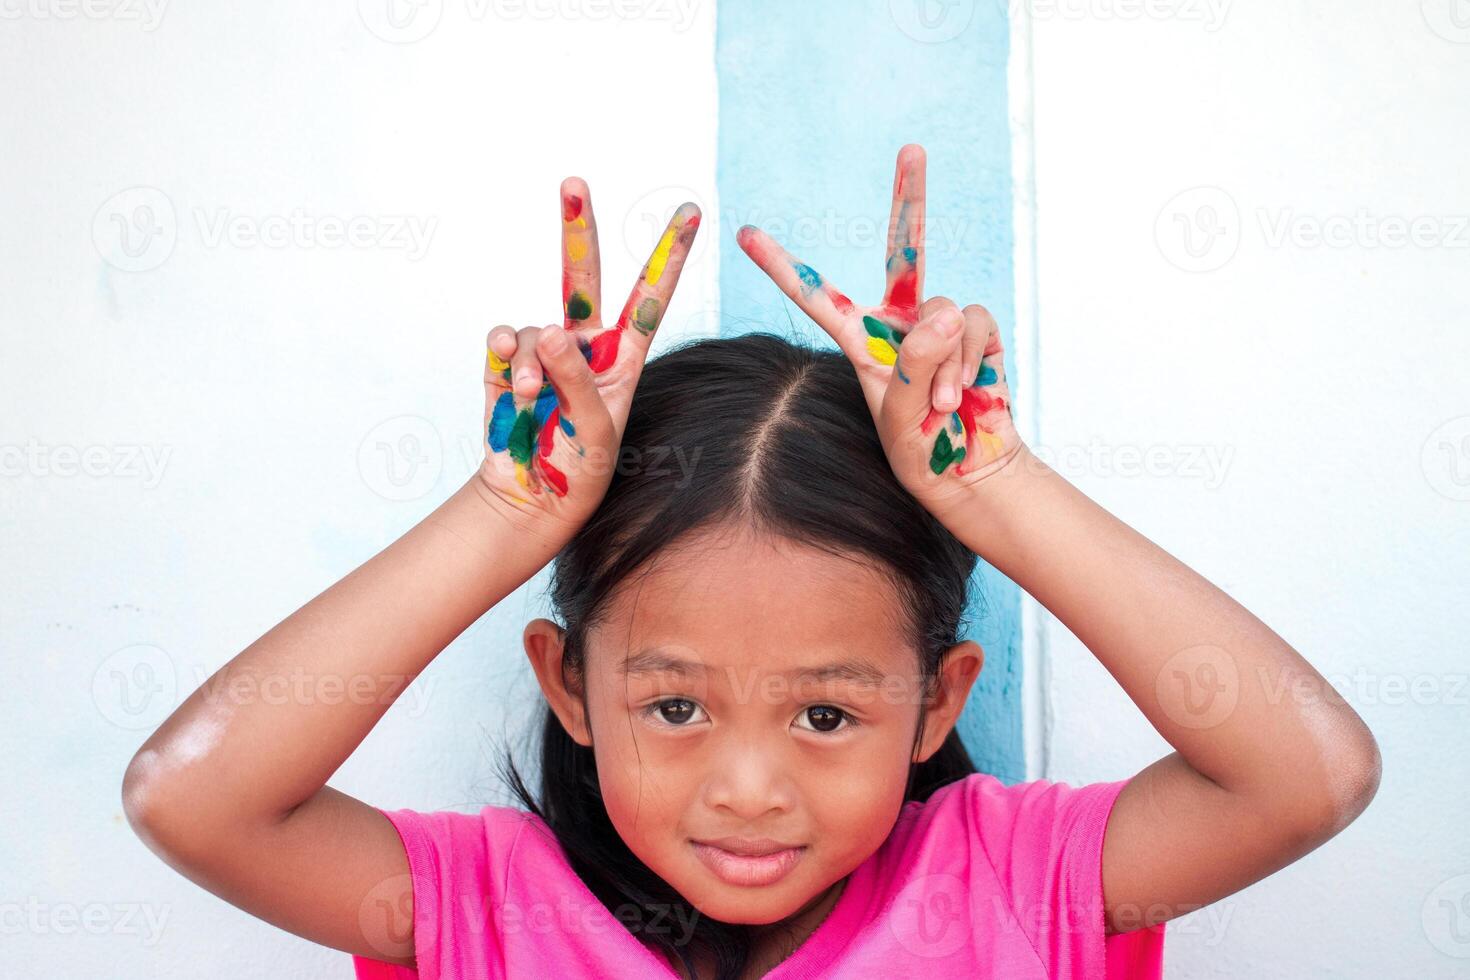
[[1270, 762], [231, 789]]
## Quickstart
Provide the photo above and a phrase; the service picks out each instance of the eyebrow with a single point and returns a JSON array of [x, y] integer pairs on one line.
[[658, 662]]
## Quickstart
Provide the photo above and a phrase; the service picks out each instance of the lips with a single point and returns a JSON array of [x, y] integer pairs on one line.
[[748, 861], [748, 846]]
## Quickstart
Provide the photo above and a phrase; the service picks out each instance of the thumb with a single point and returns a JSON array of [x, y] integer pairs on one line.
[[910, 397], [579, 403]]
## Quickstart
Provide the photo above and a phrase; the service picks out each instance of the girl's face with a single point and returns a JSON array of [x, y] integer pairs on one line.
[[753, 688]]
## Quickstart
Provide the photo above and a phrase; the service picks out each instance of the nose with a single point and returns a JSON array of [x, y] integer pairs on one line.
[[749, 781]]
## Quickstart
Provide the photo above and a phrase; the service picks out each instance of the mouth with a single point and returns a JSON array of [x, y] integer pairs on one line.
[[749, 862]]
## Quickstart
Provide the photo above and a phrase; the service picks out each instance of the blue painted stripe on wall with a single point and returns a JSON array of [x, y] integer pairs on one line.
[[815, 99]]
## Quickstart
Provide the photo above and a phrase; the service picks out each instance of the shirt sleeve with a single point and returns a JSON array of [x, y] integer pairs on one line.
[[456, 862], [1044, 840]]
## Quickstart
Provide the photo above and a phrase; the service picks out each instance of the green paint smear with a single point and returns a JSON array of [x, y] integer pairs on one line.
[[944, 453], [522, 437], [579, 307], [877, 328], [646, 319]]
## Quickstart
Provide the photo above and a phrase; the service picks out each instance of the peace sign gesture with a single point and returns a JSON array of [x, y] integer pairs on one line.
[[550, 445], [933, 374]]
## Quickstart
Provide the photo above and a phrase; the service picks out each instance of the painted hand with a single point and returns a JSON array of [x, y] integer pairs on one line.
[[550, 445], [939, 397]]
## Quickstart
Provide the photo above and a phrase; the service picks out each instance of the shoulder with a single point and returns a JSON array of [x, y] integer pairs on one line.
[[985, 801], [458, 865], [1033, 835], [458, 852]]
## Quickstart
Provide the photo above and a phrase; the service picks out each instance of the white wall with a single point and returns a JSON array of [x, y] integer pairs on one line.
[[1329, 382], [274, 386]]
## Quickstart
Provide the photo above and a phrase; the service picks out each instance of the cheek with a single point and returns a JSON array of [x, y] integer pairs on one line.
[[641, 778], [856, 797]]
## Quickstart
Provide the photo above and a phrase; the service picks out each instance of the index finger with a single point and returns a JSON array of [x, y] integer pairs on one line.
[[818, 298], [905, 263], [581, 264]]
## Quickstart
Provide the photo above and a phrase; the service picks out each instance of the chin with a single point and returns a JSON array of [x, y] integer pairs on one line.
[[747, 906]]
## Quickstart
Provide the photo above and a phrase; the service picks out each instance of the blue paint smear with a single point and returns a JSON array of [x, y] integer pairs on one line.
[[545, 404], [502, 419], [810, 281], [807, 148]]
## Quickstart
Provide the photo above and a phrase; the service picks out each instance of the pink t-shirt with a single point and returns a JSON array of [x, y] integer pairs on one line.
[[980, 880]]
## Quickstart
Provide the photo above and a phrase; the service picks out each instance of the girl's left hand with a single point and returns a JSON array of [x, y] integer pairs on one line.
[[937, 393]]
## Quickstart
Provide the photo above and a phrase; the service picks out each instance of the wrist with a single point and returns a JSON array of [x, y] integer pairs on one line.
[[494, 528], [984, 514]]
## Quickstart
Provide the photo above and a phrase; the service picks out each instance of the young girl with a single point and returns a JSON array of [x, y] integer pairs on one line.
[[749, 763]]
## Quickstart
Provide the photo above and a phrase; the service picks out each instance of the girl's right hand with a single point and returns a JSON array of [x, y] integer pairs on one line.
[[557, 397]]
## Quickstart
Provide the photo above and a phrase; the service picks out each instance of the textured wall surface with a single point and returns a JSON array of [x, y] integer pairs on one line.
[[1226, 281], [304, 400]]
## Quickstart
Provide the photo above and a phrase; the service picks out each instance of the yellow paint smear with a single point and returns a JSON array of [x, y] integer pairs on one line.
[[660, 257], [882, 350]]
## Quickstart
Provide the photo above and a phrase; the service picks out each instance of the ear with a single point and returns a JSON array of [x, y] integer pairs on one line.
[[543, 640], [958, 668]]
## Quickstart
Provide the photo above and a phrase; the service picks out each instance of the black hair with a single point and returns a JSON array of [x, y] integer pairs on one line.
[[782, 442]]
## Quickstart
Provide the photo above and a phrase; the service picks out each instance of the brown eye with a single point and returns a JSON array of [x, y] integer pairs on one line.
[[825, 718], [674, 711]]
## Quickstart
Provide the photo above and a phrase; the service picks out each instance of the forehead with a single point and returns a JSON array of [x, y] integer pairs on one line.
[[741, 599]]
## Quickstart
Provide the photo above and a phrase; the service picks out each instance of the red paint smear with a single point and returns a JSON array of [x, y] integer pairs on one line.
[[626, 317], [905, 292], [566, 286], [605, 349], [544, 440], [571, 208], [896, 316], [931, 420], [747, 240], [690, 224], [843, 304], [974, 403], [555, 477]]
